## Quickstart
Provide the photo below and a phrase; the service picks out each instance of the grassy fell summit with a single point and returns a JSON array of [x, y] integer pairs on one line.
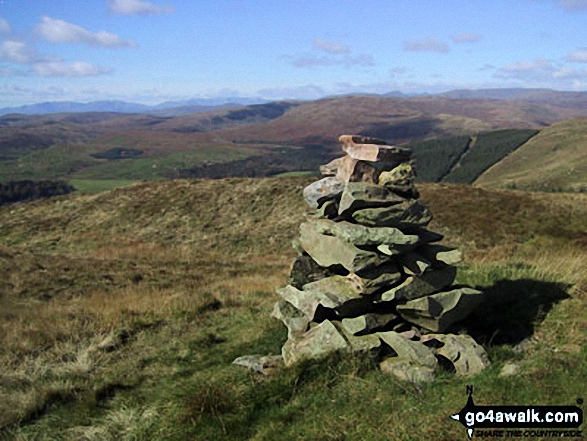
[[121, 312]]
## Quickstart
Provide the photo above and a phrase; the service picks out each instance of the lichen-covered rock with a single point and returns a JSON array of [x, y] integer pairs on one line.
[[403, 174], [357, 195], [415, 287], [409, 214], [368, 323], [263, 364], [467, 357], [332, 250], [412, 351], [414, 264], [305, 270], [319, 341], [295, 320], [331, 168], [362, 236], [441, 254], [407, 371], [438, 312], [321, 191], [373, 150]]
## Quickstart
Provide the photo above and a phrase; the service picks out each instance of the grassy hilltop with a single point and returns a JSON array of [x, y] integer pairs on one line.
[[122, 311]]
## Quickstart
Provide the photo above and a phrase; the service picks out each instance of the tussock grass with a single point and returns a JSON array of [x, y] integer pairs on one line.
[[122, 312]]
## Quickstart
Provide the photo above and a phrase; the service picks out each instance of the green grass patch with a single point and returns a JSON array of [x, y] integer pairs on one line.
[[92, 186]]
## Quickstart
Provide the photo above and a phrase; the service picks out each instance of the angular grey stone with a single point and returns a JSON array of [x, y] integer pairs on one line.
[[437, 312], [406, 371], [363, 343], [361, 235], [296, 321], [320, 191], [441, 254], [412, 351], [415, 287], [408, 214], [368, 323], [331, 250], [304, 301], [357, 195], [305, 270], [378, 278], [403, 174], [345, 295], [318, 342], [509, 369], [414, 264], [467, 357], [331, 168], [264, 364], [328, 209]]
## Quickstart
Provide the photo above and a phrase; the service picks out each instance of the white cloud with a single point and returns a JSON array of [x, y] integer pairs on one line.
[[331, 47], [59, 31], [131, 7], [467, 37], [63, 69], [429, 44], [542, 72], [579, 56], [4, 26], [16, 52], [573, 5], [308, 61]]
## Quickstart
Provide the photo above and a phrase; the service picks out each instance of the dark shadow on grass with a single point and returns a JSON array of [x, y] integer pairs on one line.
[[512, 310]]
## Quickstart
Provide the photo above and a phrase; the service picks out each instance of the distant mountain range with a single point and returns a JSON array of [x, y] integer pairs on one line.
[[197, 105], [168, 108]]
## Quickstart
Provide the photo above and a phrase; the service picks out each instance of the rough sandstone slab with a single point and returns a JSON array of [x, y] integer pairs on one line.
[[414, 264], [368, 323], [346, 295], [354, 170], [378, 278], [403, 174], [437, 312], [406, 371], [295, 320], [306, 302], [264, 364], [360, 235], [320, 191], [441, 254], [358, 195], [363, 343], [412, 351], [331, 168], [332, 250], [410, 213], [318, 342], [467, 357], [373, 150], [305, 270], [415, 287]]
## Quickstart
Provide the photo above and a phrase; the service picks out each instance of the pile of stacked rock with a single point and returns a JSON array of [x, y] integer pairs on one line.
[[370, 277]]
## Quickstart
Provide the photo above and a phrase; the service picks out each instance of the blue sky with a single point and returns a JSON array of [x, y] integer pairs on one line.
[[154, 51]]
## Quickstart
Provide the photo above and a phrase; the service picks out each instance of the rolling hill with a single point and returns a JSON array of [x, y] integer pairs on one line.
[[555, 159], [256, 140]]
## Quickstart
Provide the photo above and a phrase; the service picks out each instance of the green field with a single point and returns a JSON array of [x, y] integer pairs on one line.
[[92, 186], [122, 311]]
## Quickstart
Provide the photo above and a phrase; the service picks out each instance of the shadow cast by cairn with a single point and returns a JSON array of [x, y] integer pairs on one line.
[[512, 310]]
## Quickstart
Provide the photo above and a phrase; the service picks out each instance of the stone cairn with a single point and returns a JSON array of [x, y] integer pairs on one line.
[[370, 277]]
